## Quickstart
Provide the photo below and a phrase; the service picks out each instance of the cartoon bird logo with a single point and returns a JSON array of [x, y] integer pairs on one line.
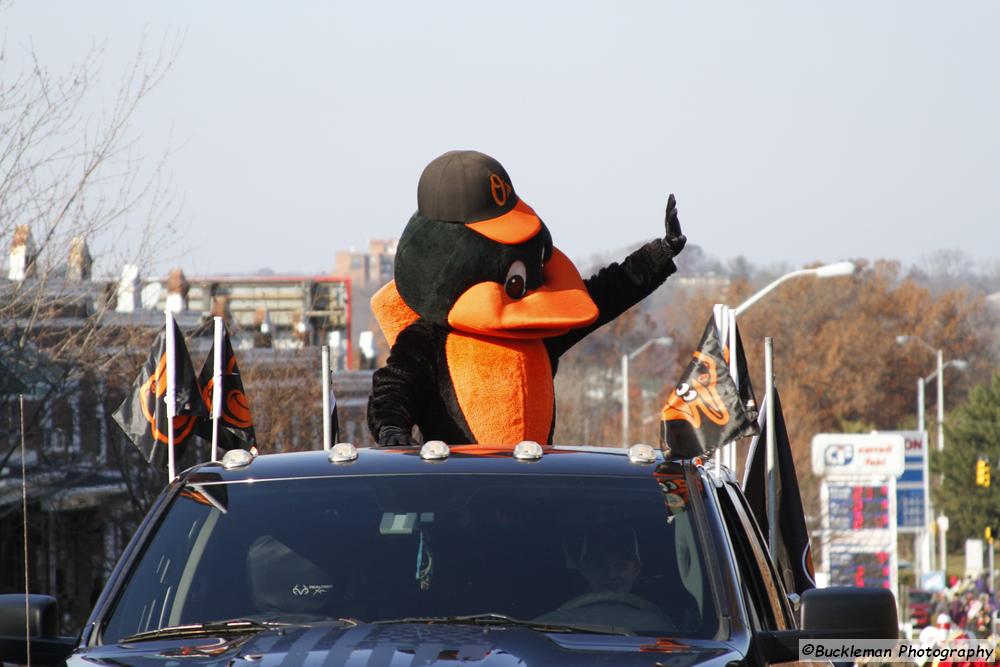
[[153, 391], [698, 397]]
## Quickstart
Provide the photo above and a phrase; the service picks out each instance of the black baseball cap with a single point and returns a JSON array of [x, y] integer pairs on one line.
[[473, 189]]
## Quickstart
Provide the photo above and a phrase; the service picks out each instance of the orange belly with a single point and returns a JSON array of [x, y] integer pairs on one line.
[[503, 386]]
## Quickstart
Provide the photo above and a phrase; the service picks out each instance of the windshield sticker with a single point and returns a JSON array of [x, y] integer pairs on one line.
[[311, 589], [398, 524]]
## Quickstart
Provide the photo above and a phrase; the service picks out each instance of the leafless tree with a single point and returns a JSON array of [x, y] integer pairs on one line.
[[72, 179]]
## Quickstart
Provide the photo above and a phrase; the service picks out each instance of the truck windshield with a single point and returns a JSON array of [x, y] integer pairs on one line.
[[618, 551]]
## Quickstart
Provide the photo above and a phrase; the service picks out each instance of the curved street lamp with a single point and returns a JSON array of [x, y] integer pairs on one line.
[[665, 341], [959, 364], [836, 270]]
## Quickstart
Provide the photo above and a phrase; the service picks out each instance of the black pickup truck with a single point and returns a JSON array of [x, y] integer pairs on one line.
[[537, 556]]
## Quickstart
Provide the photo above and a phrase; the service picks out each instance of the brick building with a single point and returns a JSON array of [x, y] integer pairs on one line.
[[71, 345]]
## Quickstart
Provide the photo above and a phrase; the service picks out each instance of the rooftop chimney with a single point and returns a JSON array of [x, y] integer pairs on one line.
[[220, 307], [79, 262], [22, 254], [263, 336], [301, 328], [128, 290], [177, 291]]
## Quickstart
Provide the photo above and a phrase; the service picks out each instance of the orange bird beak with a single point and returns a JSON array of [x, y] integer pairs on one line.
[[562, 303]]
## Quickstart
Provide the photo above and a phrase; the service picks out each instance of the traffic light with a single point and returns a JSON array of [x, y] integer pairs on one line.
[[983, 471], [988, 534]]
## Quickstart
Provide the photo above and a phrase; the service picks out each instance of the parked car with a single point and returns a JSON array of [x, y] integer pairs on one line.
[[919, 607], [541, 556]]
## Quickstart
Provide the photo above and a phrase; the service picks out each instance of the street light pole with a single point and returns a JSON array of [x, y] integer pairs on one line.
[[938, 353], [921, 421], [826, 271], [940, 400], [960, 364], [665, 341], [835, 270], [927, 548], [625, 423]]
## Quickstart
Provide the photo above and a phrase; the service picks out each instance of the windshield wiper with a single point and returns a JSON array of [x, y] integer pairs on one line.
[[491, 618], [233, 626]]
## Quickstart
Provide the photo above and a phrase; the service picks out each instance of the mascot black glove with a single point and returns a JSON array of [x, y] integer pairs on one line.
[[673, 239], [393, 436]]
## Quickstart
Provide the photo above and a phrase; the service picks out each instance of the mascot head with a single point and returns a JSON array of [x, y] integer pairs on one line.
[[476, 258]]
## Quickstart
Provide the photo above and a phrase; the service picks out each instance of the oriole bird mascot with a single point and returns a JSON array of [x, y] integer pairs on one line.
[[482, 306]]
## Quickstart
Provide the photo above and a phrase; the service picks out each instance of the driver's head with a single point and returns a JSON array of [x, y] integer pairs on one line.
[[610, 559]]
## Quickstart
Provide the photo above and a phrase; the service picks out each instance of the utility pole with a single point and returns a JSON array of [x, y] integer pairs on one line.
[[989, 541], [625, 406], [921, 420], [940, 400]]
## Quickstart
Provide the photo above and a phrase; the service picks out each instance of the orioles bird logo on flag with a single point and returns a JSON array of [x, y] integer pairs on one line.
[[706, 409], [236, 429], [698, 397], [142, 416], [152, 391], [235, 405]]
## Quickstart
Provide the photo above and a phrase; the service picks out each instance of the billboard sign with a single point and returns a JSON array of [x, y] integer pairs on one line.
[[858, 455], [911, 484]]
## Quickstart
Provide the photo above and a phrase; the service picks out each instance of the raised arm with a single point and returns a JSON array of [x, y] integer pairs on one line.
[[619, 286]]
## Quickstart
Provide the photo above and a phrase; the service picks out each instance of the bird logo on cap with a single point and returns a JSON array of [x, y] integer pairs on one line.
[[500, 189]]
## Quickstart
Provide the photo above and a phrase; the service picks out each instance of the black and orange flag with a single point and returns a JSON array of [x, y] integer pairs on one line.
[[707, 410], [235, 421], [143, 413], [794, 555]]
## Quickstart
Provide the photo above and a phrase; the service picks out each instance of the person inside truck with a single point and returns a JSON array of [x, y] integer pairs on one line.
[[609, 563]]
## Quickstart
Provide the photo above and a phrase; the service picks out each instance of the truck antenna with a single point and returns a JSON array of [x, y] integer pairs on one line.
[[24, 514]]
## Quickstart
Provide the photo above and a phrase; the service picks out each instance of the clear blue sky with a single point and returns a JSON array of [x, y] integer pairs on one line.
[[790, 131]]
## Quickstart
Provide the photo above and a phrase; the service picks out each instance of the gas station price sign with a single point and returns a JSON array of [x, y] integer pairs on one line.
[[858, 500], [862, 569], [858, 507]]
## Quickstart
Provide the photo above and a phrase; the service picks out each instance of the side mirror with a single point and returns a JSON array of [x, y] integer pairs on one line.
[[851, 613], [47, 647], [835, 613]]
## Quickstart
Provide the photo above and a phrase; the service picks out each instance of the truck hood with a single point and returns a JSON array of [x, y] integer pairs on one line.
[[409, 645]]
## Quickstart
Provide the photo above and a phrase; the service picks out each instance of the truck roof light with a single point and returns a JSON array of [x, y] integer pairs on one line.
[[528, 450], [343, 452], [434, 450], [236, 458], [641, 454]]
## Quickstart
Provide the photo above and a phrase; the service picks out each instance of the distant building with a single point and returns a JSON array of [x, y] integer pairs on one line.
[[371, 269], [277, 311], [86, 485]]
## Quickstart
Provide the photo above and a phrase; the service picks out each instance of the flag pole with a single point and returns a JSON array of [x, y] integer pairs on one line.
[[725, 324], [771, 478], [721, 326], [734, 371], [217, 386], [171, 397], [327, 436]]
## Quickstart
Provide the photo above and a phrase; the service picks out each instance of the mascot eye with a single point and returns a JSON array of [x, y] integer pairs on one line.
[[686, 392], [516, 283]]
